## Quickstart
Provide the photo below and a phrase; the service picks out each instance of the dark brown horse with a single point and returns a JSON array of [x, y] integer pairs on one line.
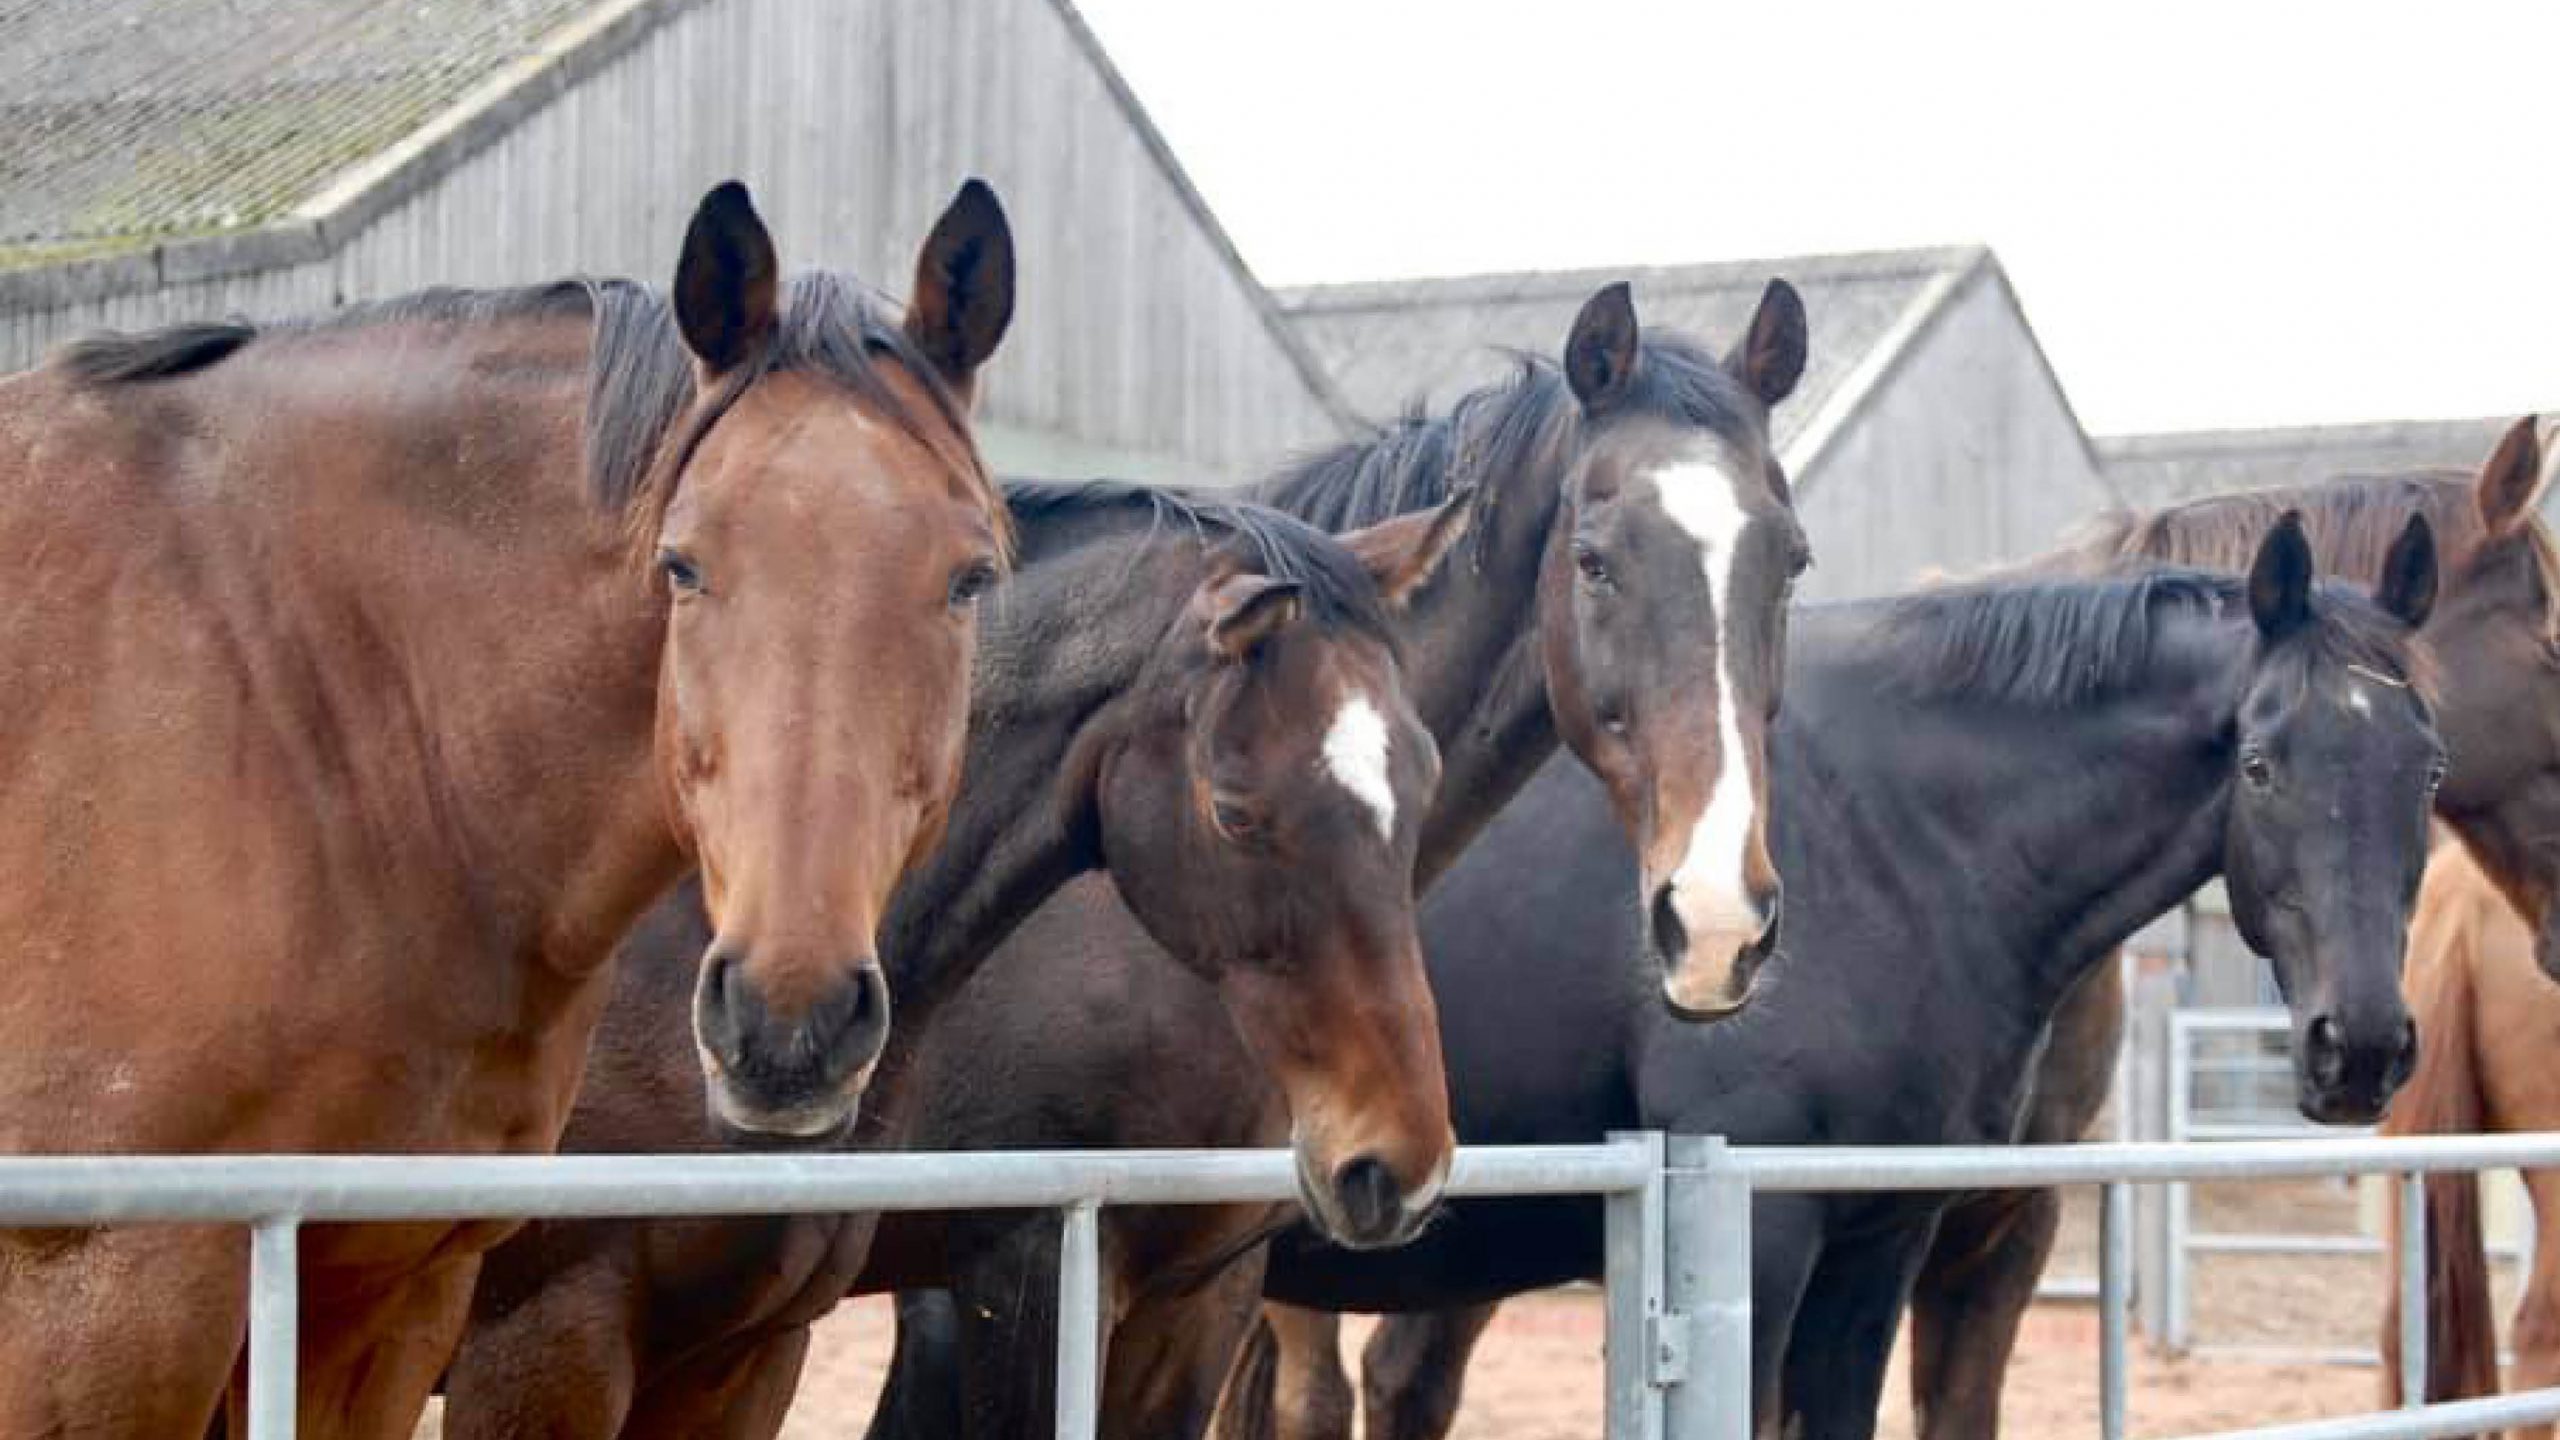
[[1597, 500], [2496, 635], [375, 673], [1205, 699]]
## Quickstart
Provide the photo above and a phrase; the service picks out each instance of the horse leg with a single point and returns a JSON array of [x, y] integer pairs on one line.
[[370, 1360], [1843, 1333], [1005, 1280], [740, 1389], [2537, 1326], [1414, 1369], [124, 1332], [1170, 1355], [558, 1360], [1979, 1277], [1786, 1248], [921, 1397], [1288, 1382]]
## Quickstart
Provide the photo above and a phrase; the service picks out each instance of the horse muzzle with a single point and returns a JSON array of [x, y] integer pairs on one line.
[[1362, 1205], [1710, 951]]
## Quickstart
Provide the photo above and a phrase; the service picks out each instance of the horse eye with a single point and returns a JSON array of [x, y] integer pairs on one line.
[[1234, 821], [2255, 769], [1613, 718], [1595, 570], [972, 582], [2435, 777], [681, 572]]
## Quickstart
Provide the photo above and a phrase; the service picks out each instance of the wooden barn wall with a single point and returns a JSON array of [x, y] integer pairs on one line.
[[1967, 455], [853, 120]]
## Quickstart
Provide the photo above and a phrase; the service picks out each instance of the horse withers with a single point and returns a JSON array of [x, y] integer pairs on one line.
[[378, 671]]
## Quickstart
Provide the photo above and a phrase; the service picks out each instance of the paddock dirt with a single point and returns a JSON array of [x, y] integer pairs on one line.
[[1538, 1374]]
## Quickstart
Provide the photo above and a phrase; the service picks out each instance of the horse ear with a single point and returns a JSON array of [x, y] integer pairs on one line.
[[1770, 359], [1243, 610], [2280, 580], [1600, 354], [1401, 553], [2408, 585], [2511, 482], [963, 296], [726, 280]]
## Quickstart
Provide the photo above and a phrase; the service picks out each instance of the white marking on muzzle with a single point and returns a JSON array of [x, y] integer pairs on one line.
[[1355, 755], [1707, 887]]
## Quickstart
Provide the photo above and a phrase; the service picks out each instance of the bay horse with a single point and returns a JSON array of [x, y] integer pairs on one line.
[[377, 671], [2496, 635], [1610, 601], [2487, 1021], [1981, 791], [1202, 698]]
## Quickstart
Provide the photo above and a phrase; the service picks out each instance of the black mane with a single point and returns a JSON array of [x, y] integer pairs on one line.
[[640, 376], [1337, 591], [1529, 420], [2050, 643]]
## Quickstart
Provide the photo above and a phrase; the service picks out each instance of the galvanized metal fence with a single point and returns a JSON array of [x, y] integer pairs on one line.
[[1678, 1360]]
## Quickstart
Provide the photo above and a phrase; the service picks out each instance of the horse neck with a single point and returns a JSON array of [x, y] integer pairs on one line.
[[500, 680], [2066, 828], [1060, 647], [1472, 667]]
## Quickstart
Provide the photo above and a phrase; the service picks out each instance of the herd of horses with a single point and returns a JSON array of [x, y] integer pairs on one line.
[[587, 718]]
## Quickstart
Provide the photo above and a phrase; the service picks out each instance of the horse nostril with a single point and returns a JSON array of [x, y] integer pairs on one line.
[[723, 1002], [2325, 1051], [2406, 1061], [1670, 937], [1766, 908], [1370, 1198]]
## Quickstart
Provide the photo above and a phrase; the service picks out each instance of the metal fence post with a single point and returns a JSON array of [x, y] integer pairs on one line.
[[1079, 1322], [1707, 1292], [2115, 1279], [1634, 1382], [2175, 1256], [2412, 1280], [275, 1286]]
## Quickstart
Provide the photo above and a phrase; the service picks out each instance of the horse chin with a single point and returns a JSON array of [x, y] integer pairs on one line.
[[745, 1125]]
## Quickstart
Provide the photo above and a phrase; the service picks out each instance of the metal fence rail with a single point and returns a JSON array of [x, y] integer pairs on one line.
[[1678, 1237]]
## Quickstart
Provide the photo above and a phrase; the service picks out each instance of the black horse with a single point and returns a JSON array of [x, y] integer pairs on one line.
[[1980, 791]]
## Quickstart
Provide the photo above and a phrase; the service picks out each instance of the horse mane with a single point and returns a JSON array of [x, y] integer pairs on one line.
[[640, 376], [2052, 642], [1337, 591], [2351, 522], [1529, 420]]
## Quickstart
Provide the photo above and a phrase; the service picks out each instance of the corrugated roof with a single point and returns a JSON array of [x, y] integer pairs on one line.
[[133, 121], [1390, 344], [2155, 470]]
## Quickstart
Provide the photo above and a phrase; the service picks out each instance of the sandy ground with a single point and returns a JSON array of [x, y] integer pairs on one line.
[[1537, 1376]]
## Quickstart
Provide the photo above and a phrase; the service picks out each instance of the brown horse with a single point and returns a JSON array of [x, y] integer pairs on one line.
[[1206, 700], [2488, 1022], [359, 722], [2495, 633]]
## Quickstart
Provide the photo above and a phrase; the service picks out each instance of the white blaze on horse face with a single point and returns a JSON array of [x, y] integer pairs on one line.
[[1355, 755], [1707, 888]]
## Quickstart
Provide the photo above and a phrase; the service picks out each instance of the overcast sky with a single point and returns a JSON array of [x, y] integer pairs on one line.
[[2227, 213]]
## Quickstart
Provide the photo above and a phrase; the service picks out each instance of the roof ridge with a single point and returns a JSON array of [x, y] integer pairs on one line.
[[1476, 288]]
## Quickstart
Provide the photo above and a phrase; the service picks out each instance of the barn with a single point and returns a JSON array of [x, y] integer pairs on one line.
[[178, 159]]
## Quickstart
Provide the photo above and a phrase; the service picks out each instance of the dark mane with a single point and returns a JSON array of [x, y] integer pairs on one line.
[[2350, 521], [640, 377], [1528, 421], [1338, 592], [2050, 643]]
